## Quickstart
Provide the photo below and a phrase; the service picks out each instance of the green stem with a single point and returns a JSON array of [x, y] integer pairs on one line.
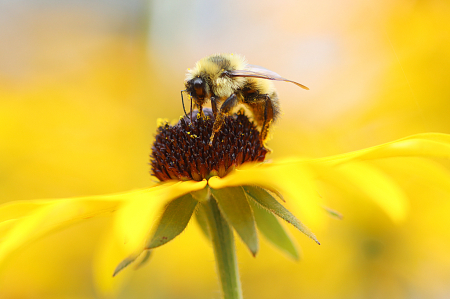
[[224, 251]]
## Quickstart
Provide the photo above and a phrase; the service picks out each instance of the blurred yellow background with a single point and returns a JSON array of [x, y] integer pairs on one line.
[[83, 82]]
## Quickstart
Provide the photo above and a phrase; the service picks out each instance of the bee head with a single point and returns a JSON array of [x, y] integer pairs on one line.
[[211, 77], [198, 89]]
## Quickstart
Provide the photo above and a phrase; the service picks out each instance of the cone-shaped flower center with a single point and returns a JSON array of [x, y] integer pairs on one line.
[[182, 151]]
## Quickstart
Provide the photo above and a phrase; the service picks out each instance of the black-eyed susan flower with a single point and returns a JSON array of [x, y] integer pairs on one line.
[[227, 187]]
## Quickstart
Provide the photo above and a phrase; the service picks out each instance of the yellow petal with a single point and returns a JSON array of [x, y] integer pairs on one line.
[[5, 226], [134, 220], [18, 209], [50, 217], [374, 184], [22, 208], [420, 145], [22, 222], [430, 173], [109, 254]]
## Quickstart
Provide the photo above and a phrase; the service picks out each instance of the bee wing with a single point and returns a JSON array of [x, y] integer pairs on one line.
[[256, 71]]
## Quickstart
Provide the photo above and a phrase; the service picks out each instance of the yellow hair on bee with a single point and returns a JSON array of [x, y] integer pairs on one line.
[[212, 67], [261, 85]]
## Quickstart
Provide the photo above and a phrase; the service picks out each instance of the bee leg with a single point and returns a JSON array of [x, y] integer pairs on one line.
[[214, 106], [225, 109], [200, 113], [268, 118], [191, 110]]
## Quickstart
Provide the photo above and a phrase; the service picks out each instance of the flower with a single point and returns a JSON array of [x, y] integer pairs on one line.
[[227, 185]]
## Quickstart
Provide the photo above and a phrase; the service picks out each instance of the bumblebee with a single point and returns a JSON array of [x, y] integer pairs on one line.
[[227, 81]]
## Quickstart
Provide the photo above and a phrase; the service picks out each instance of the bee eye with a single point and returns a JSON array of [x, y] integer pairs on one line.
[[198, 83], [199, 86]]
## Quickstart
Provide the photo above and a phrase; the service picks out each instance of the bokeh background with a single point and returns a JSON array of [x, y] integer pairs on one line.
[[83, 82]]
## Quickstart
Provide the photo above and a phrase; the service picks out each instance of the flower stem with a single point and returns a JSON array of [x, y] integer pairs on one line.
[[224, 251]]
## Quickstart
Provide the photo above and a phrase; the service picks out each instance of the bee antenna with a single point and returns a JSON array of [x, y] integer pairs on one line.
[[182, 102], [191, 110]]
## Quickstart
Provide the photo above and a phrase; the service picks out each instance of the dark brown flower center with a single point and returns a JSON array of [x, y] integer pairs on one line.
[[182, 152]]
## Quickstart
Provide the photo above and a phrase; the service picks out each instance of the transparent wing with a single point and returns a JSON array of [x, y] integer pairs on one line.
[[256, 71]]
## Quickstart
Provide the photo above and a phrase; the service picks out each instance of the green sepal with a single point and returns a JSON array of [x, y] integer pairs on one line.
[[126, 262], [123, 264], [271, 228], [333, 213], [265, 199], [202, 196], [173, 221], [202, 221], [234, 205], [276, 193], [144, 259]]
